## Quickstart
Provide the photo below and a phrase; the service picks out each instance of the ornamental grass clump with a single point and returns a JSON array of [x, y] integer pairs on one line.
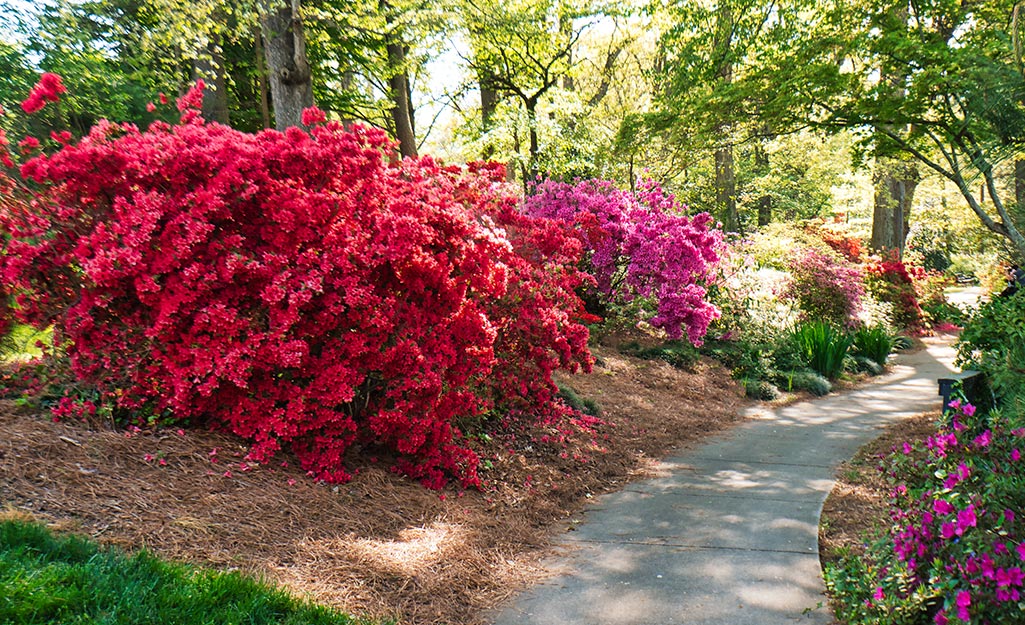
[[823, 347], [875, 343], [301, 289], [955, 550]]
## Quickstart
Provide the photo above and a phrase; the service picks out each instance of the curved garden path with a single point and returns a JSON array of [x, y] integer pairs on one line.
[[729, 534]]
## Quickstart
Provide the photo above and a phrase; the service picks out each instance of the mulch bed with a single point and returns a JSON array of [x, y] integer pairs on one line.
[[382, 545]]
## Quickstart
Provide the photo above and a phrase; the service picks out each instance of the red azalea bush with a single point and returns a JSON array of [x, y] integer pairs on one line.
[[847, 246], [891, 281], [297, 288], [640, 246]]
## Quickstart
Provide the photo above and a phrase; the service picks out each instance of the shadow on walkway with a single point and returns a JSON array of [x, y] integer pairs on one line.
[[729, 533]]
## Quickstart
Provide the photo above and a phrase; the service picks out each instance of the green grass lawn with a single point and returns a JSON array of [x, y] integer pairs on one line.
[[71, 580]]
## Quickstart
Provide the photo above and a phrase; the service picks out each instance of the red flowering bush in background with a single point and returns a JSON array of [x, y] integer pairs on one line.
[[296, 288], [850, 247], [890, 280], [640, 246]]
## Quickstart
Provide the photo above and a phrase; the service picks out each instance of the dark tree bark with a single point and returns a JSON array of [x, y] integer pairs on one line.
[[291, 84], [214, 74], [895, 184], [261, 78], [488, 107], [398, 84]]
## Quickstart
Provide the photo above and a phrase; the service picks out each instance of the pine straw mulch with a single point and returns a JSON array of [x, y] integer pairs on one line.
[[380, 546], [857, 506]]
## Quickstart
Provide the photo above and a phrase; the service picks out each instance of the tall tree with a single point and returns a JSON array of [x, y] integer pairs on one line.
[[705, 49], [958, 109], [284, 44], [519, 51]]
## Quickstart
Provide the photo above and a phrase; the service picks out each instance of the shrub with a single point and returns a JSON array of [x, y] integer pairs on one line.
[[825, 288], [640, 247], [993, 341], [296, 288], [761, 389], [867, 365], [823, 347], [810, 381], [889, 281], [676, 353], [954, 551], [874, 343]]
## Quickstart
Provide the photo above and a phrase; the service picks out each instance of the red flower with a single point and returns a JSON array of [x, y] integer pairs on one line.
[[48, 89]]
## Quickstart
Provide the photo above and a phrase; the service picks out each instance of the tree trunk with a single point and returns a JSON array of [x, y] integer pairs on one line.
[[400, 110], [291, 84], [488, 107], [398, 84], [764, 204], [1019, 182], [261, 79], [214, 74], [725, 176], [895, 184], [726, 189], [531, 106]]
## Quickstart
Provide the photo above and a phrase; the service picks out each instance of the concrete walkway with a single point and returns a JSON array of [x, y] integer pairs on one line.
[[729, 536]]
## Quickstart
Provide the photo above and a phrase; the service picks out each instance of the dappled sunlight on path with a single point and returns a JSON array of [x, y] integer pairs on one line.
[[728, 532]]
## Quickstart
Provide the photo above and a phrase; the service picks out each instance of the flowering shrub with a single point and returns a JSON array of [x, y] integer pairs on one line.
[[640, 246], [825, 288], [890, 280], [955, 552], [847, 246], [297, 288]]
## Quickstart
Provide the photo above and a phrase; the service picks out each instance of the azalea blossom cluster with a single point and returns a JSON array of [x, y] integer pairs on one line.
[[890, 280], [48, 89], [957, 543], [299, 289], [640, 245]]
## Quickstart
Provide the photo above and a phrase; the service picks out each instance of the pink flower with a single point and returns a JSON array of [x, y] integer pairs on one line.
[[968, 410], [1015, 455], [942, 506], [227, 474], [148, 457], [940, 618], [955, 404], [966, 518], [907, 448], [151, 107], [983, 440], [48, 89], [1021, 551], [963, 602], [879, 595]]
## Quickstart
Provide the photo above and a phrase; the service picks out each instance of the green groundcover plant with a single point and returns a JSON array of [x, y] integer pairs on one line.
[[48, 579]]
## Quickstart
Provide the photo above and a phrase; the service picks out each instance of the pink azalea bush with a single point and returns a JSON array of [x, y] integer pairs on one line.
[[640, 246], [955, 552], [825, 288], [300, 289]]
